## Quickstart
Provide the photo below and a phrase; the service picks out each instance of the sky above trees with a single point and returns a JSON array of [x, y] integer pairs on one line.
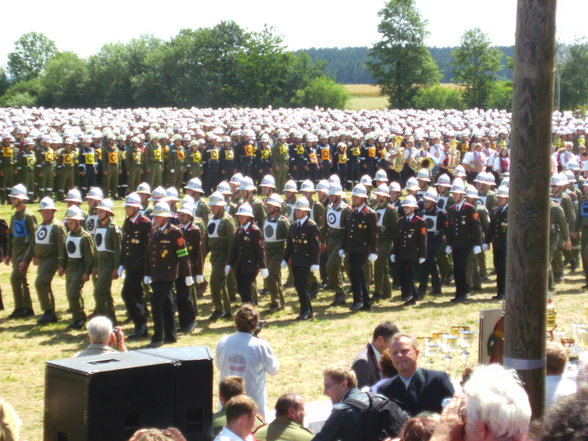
[[85, 29]]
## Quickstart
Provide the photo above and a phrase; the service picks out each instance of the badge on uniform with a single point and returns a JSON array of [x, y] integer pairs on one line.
[[164, 253]]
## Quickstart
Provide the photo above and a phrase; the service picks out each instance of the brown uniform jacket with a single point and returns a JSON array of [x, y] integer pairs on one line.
[[195, 244], [248, 254], [361, 235], [134, 243], [303, 244], [412, 239], [167, 256]]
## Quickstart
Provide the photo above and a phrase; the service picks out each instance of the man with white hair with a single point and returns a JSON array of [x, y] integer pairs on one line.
[[494, 407], [104, 339]]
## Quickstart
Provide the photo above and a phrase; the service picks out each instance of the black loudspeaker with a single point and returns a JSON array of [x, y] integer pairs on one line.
[[193, 389], [110, 396]]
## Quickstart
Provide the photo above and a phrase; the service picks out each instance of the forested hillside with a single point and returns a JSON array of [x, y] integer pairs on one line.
[[347, 65]]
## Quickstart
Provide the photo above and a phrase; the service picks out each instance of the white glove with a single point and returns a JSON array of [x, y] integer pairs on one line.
[[121, 270], [373, 257], [477, 249], [264, 273], [448, 249], [189, 281], [147, 280], [342, 254], [314, 268], [284, 264], [392, 258], [172, 171], [199, 279], [485, 247], [227, 270], [422, 260]]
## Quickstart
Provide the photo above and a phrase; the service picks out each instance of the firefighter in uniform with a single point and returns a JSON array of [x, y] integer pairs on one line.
[[219, 238], [176, 157], [7, 160], [48, 250], [26, 168], [79, 259], [558, 194], [248, 255], [247, 189], [107, 251], [436, 223], [87, 165], [387, 232], [334, 233], [201, 208], [186, 300], [317, 215], [559, 237], [464, 235], [153, 161], [194, 160], [93, 198], [280, 159], [361, 244], [110, 168], [410, 248], [167, 259], [302, 248], [45, 169], [134, 163], [275, 232], [496, 238], [135, 238], [20, 233], [66, 168]]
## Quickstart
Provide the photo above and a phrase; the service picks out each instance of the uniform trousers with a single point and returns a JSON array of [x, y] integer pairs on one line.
[[245, 283], [500, 267], [163, 310], [406, 278], [357, 276], [300, 274], [45, 273], [460, 265], [20, 285], [429, 267], [185, 303], [132, 294]]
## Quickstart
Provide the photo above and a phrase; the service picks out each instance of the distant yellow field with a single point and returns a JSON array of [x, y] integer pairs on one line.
[[363, 89]]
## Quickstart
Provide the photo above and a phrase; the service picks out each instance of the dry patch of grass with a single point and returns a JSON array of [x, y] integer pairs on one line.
[[303, 348]]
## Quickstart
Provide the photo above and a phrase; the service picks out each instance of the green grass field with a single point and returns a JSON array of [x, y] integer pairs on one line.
[[303, 348]]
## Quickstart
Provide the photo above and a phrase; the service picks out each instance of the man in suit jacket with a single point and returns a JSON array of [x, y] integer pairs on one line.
[[367, 362], [415, 389]]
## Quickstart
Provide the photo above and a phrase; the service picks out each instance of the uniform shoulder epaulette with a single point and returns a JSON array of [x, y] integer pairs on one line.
[[145, 218], [418, 217]]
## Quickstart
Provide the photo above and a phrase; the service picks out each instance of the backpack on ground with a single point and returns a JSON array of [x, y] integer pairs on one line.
[[381, 418]]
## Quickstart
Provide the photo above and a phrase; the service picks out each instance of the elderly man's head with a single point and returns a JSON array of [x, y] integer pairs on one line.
[[497, 406], [99, 330]]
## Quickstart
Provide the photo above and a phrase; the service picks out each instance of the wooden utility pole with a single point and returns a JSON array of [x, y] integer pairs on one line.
[[528, 212]]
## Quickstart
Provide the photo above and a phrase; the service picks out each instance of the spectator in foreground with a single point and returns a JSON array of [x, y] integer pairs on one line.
[[366, 364], [241, 416], [419, 428], [567, 419], [246, 355], [495, 407], [387, 371], [9, 422], [103, 338], [289, 422], [169, 434], [556, 385], [228, 388], [415, 389]]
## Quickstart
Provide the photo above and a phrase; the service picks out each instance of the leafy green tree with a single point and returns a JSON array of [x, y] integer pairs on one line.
[[400, 63], [4, 82], [476, 66], [23, 93], [439, 97], [31, 53], [322, 92], [64, 83], [574, 81]]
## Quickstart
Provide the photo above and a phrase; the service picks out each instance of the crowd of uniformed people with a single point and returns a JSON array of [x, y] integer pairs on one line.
[[388, 200]]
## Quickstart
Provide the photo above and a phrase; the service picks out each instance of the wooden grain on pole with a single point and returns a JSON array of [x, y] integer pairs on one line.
[[528, 213]]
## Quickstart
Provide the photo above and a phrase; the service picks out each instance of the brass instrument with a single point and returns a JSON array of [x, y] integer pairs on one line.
[[397, 155], [454, 156], [413, 162], [427, 163]]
